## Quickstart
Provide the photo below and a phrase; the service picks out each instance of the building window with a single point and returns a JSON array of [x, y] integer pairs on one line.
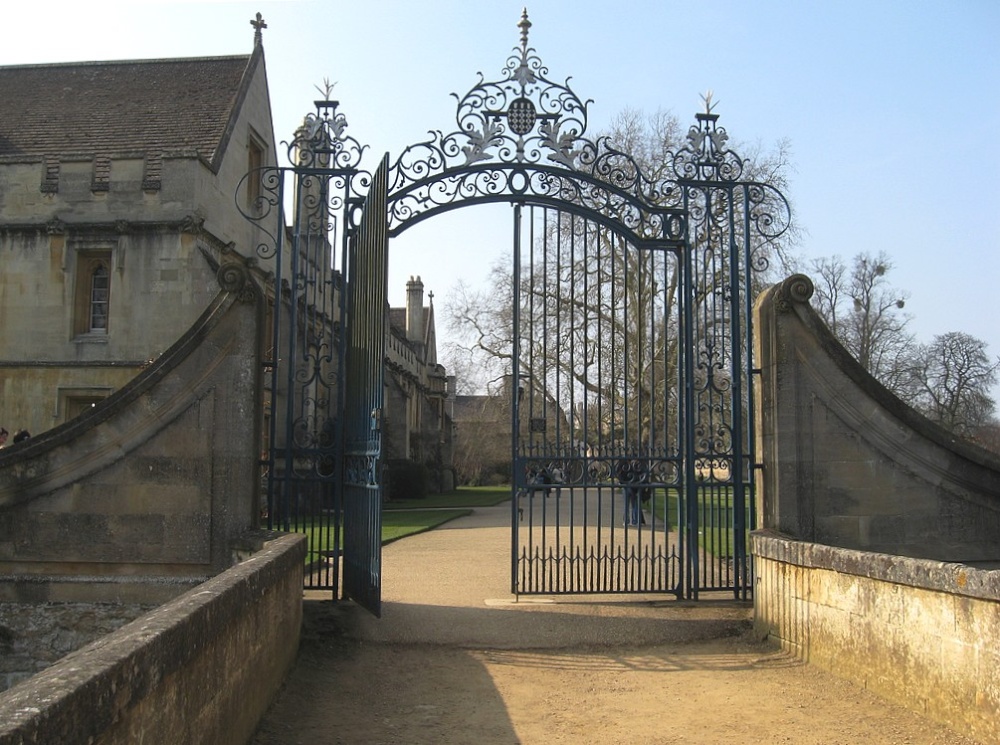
[[255, 161], [93, 294], [100, 292]]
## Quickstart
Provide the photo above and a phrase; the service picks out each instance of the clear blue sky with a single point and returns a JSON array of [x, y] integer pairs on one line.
[[891, 107]]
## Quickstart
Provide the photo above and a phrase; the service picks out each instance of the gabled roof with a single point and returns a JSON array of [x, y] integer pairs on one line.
[[479, 409], [167, 107], [397, 320]]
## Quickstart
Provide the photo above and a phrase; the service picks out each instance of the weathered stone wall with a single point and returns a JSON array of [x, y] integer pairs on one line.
[[925, 634], [201, 669], [36, 635], [848, 464], [157, 240], [153, 482]]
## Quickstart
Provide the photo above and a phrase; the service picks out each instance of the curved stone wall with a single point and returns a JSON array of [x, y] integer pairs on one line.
[[152, 483], [846, 463]]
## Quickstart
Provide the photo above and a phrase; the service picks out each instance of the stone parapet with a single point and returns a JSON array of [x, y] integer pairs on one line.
[[200, 669], [154, 481], [919, 632]]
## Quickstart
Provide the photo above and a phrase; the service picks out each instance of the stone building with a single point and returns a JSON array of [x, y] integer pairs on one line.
[[418, 393], [117, 186], [482, 439], [124, 186]]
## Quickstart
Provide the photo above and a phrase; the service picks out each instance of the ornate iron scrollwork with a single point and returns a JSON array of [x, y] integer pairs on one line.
[[522, 136], [327, 163]]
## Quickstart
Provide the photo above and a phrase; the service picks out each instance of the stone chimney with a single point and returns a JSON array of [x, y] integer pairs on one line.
[[415, 310]]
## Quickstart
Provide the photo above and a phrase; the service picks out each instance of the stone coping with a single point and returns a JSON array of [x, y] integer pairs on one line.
[[941, 576], [87, 691]]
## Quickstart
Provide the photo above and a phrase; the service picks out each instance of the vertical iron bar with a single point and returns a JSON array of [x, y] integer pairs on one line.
[[737, 399], [687, 414], [276, 326], [516, 477], [749, 446]]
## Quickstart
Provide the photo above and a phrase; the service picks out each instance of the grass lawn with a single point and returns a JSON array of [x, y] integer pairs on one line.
[[399, 523], [404, 517], [715, 515], [395, 525], [465, 496]]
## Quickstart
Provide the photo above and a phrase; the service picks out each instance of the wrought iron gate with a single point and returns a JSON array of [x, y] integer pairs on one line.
[[630, 424], [363, 398], [631, 380], [323, 369], [630, 386], [596, 441]]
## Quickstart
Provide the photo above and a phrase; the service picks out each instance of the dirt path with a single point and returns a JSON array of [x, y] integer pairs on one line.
[[455, 659], [722, 691]]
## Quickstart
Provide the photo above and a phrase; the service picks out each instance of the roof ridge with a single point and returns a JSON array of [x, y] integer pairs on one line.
[[97, 63]]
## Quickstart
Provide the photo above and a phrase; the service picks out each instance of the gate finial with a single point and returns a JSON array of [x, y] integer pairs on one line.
[[524, 25], [709, 104]]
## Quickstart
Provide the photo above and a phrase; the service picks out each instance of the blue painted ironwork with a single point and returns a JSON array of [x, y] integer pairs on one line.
[[306, 219], [631, 339], [520, 139], [364, 393], [632, 371]]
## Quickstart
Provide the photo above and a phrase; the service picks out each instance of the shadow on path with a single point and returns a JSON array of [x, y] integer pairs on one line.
[[456, 658]]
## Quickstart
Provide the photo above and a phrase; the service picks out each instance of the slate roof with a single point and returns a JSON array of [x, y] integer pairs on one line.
[[479, 409], [167, 107], [397, 321]]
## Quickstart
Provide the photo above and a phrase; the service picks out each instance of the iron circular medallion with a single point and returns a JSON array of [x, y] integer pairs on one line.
[[521, 116]]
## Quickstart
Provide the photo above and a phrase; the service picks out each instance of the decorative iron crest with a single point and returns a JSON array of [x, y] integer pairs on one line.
[[322, 141], [522, 118], [523, 135], [706, 156]]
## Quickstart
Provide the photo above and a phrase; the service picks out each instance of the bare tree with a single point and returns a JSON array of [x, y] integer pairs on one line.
[[481, 321], [482, 439], [988, 435], [864, 312], [608, 313], [830, 282], [953, 376]]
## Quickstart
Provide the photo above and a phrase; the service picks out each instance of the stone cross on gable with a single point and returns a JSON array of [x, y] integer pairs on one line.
[[258, 25]]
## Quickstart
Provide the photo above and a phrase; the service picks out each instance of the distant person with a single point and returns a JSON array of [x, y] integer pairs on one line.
[[3, 437], [544, 479], [21, 434], [631, 475], [558, 477]]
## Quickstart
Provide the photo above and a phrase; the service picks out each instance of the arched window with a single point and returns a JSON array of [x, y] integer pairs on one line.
[[92, 296]]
